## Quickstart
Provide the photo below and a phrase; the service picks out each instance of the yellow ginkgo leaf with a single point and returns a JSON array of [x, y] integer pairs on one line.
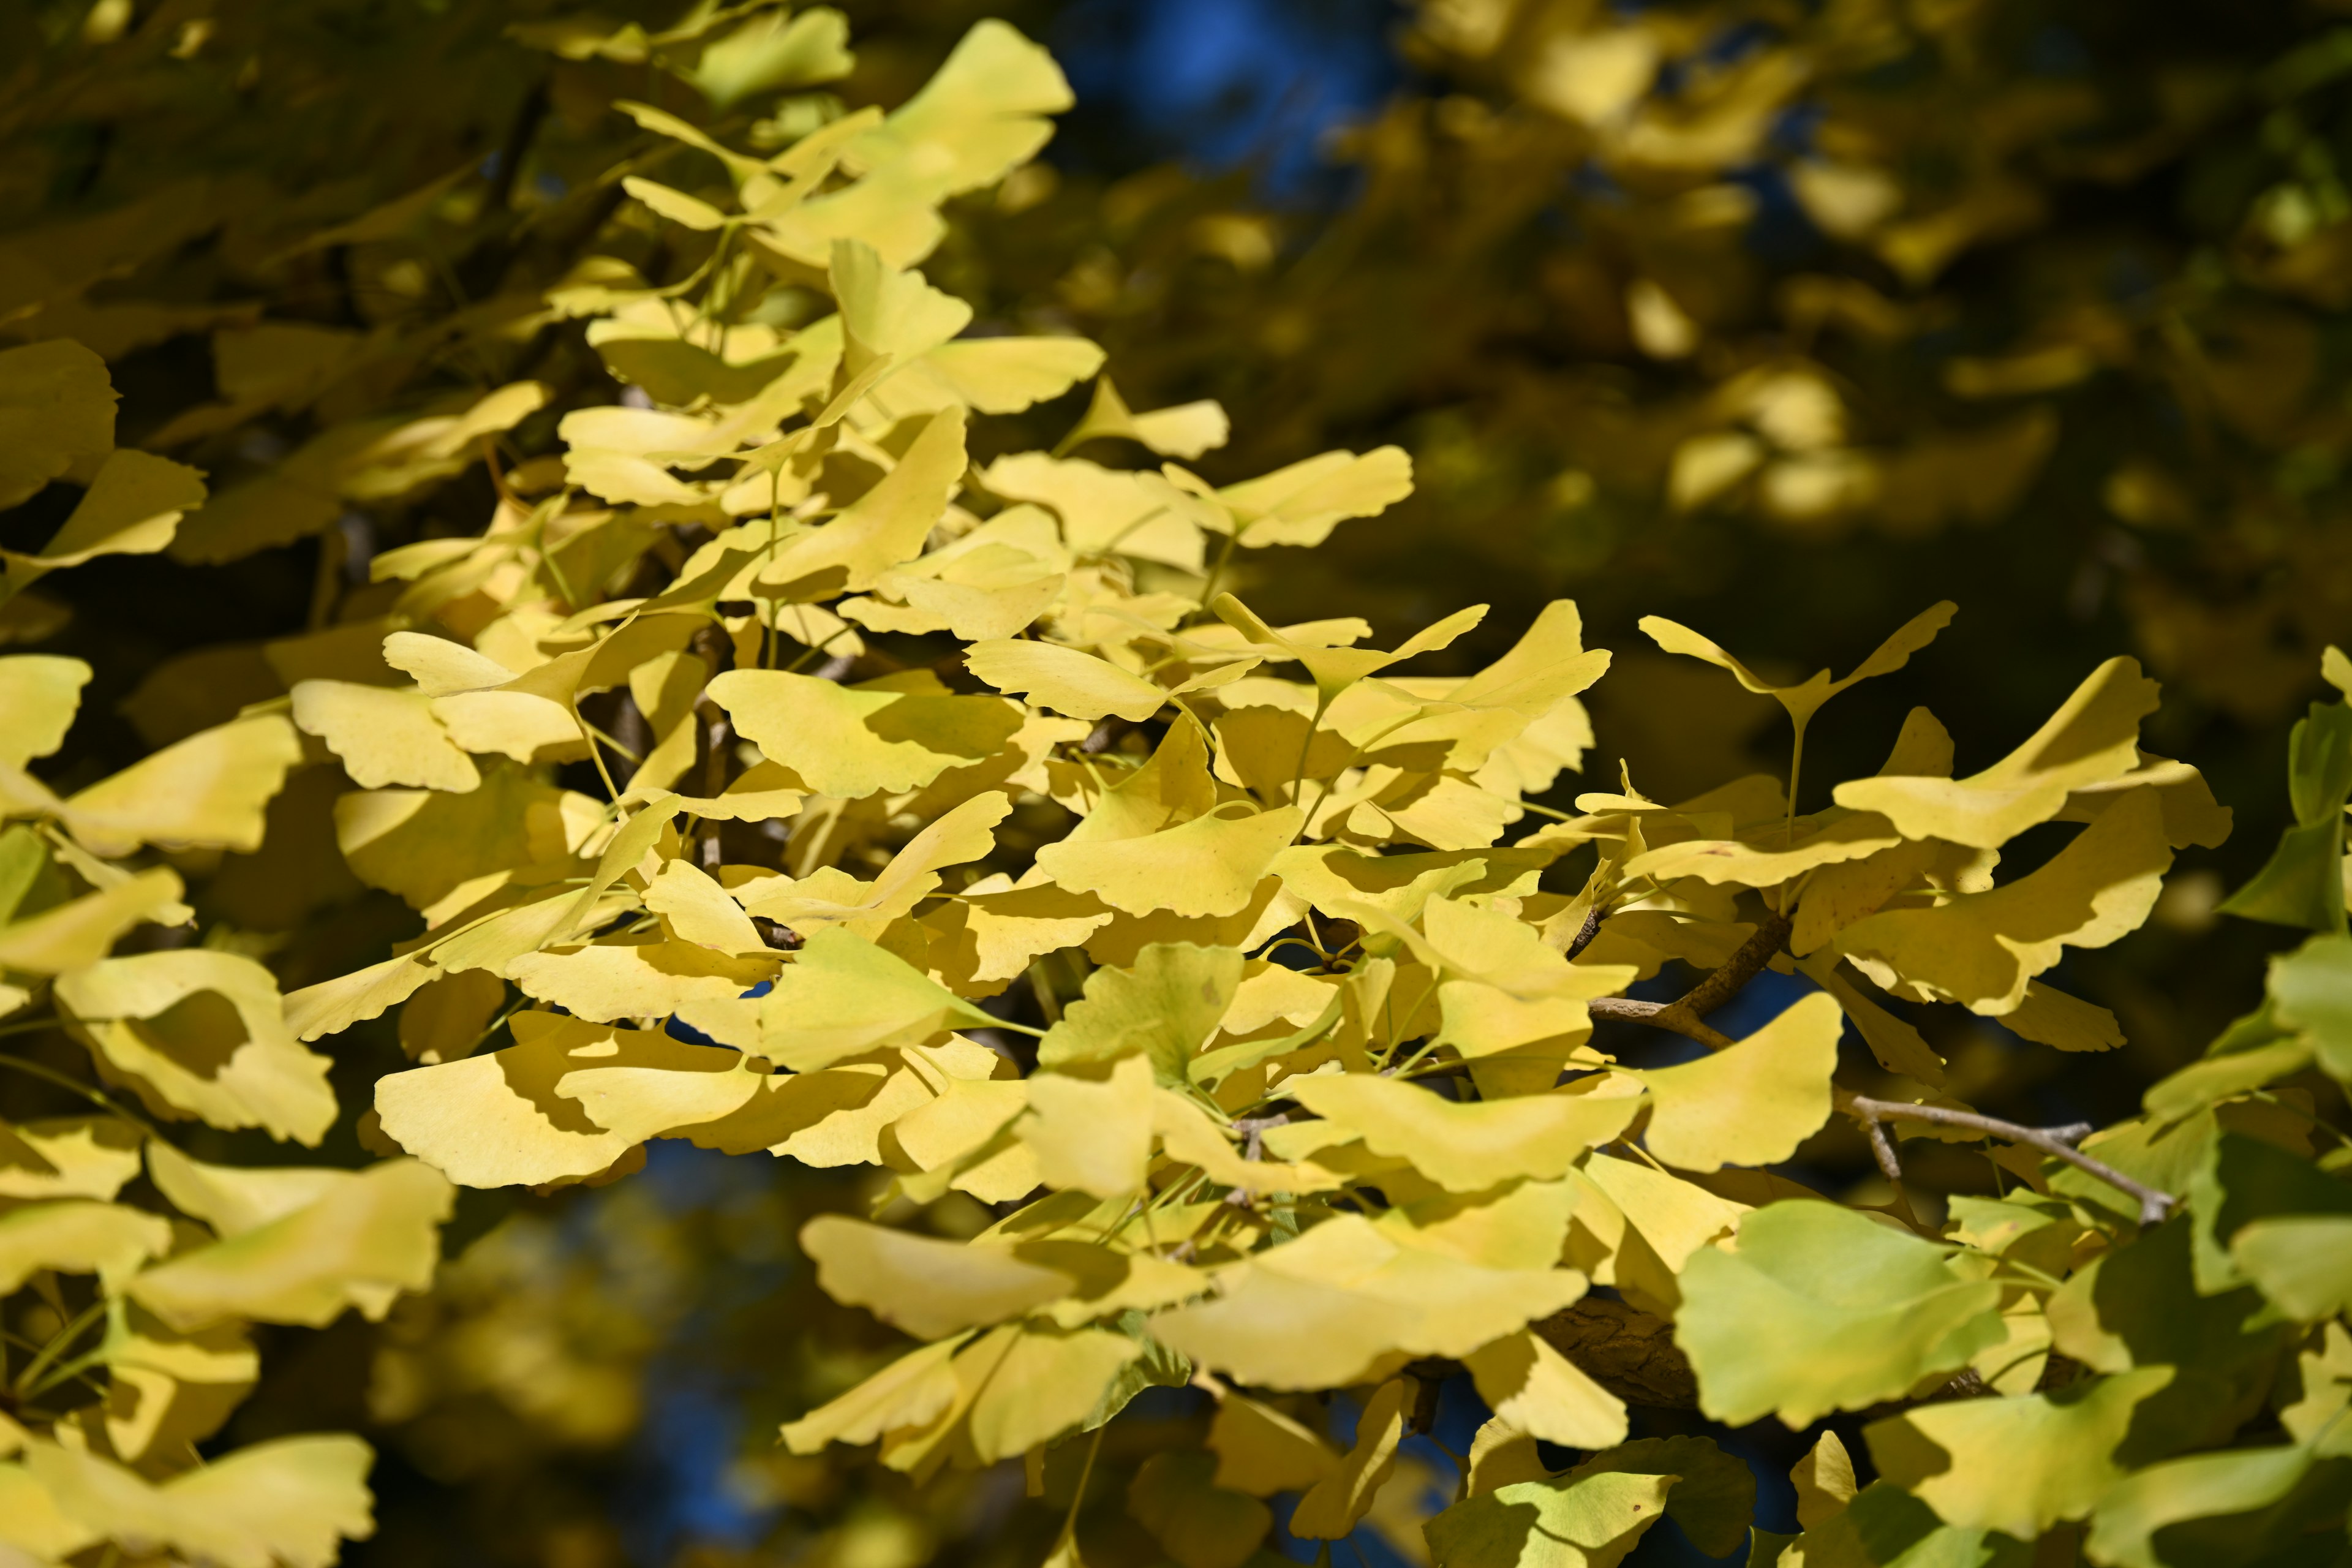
[[1335, 669], [841, 996], [1093, 1136], [1981, 950], [830, 896], [1469, 1148], [853, 742], [1209, 866], [1064, 680], [285, 1503], [1803, 700], [1262, 1451], [499, 1120], [2093, 737], [1163, 1006], [78, 933], [178, 1388], [77, 1235], [358, 1240], [1047, 1382], [1302, 503], [1753, 1103], [908, 1394], [634, 977], [995, 929], [1332, 1506], [210, 789], [204, 1033], [56, 409], [887, 313], [385, 736], [884, 528], [699, 911], [928, 1288], [133, 507], [1108, 512], [39, 694], [1323, 1311], [1185, 431], [67, 1157], [979, 116], [1541, 1393]]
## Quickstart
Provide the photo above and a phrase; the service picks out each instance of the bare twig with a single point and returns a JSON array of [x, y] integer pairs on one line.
[[1683, 1016], [2057, 1141], [1585, 934]]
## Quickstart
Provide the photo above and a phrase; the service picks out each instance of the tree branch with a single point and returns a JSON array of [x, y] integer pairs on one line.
[[1684, 1015], [2058, 1142]]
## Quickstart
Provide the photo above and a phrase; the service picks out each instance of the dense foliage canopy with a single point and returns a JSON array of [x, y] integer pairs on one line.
[[576, 594]]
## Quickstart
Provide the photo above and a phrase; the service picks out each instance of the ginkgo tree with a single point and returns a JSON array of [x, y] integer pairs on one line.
[[783, 737]]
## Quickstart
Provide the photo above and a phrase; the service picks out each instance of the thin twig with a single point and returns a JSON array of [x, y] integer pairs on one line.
[[2058, 1142], [1683, 1016], [1591, 928]]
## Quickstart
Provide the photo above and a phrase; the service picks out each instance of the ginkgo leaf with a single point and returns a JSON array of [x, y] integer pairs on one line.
[[288, 1502], [1753, 1103], [1302, 503], [1981, 949], [133, 507], [203, 1034], [1584, 1521], [2230, 1506], [1539, 1392], [772, 51], [1333, 1505], [829, 896], [853, 742], [2018, 1466], [1335, 669], [39, 694], [840, 996], [1823, 1479], [1198, 1522], [978, 116], [1469, 1148], [1108, 511], [1803, 700], [1163, 1007], [1209, 866], [1093, 1136], [209, 789], [1714, 1499], [1820, 1309], [1322, 1311], [58, 410], [909, 1393], [885, 527], [383, 736], [1064, 680], [1185, 431], [67, 1157], [1262, 1451], [2094, 736], [928, 1286], [77, 1235], [78, 933], [358, 1241], [526, 1115]]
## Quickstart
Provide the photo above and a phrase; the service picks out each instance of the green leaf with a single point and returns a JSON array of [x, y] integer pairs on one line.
[[1885, 1526], [2311, 990], [2220, 1510], [1164, 1005], [1820, 1309], [2017, 1465], [2302, 884]]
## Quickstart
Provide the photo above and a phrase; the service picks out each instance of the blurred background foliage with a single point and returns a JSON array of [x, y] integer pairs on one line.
[[1782, 319]]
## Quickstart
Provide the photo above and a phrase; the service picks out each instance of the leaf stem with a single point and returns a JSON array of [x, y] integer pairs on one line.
[[51, 1075]]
